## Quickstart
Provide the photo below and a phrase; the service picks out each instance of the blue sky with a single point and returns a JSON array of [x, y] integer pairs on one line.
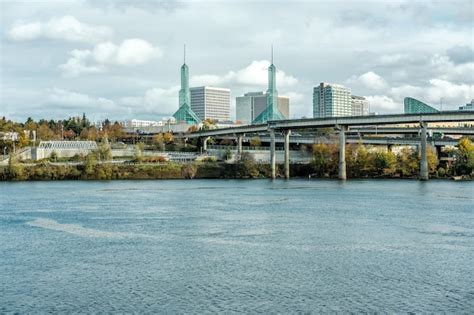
[[121, 59]]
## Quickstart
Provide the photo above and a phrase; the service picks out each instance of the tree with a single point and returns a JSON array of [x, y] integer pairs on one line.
[[325, 159], [384, 162], [168, 138], [408, 162], [104, 152], [158, 139], [189, 170], [464, 157], [255, 141], [90, 164]]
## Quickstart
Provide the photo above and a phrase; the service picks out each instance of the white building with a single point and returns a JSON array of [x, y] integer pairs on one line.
[[359, 105], [136, 123], [210, 102], [252, 104], [468, 106], [331, 100]]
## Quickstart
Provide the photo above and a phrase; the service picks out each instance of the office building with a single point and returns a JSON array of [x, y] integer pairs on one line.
[[414, 106], [251, 105], [210, 103], [468, 106], [331, 100], [359, 106]]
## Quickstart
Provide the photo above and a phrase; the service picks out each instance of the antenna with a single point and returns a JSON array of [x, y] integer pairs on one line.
[[272, 53], [184, 55]]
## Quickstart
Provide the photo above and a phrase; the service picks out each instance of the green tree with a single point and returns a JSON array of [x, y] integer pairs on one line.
[[325, 159], [255, 141], [464, 157]]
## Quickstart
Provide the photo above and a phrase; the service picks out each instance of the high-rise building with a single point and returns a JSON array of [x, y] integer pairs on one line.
[[184, 112], [468, 106], [331, 100], [359, 106], [209, 102], [252, 104], [271, 111], [414, 106]]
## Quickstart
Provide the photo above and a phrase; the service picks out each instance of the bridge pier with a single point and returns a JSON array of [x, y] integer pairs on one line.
[[239, 144], [287, 153], [342, 152], [272, 153], [204, 143], [423, 148]]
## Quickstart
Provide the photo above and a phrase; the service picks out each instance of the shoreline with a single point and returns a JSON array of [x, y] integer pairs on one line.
[[174, 171]]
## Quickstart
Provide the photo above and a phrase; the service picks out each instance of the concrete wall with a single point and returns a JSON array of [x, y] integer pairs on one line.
[[263, 156]]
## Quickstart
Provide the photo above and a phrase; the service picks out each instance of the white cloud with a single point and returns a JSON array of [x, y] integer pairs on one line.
[[130, 52], [384, 104], [370, 80], [64, 99], [154, 100], [65, 28], [452, 94], [255, 74]]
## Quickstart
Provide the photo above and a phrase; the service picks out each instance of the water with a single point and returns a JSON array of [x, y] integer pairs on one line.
[[237, 246]]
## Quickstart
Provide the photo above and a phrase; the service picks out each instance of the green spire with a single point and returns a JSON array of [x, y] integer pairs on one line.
[[184, 112], [271, 112]]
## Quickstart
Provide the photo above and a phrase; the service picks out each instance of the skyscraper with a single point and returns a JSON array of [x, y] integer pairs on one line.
[[252, 104], [271, 112], [331, 100], [184, 112], [209, 102]]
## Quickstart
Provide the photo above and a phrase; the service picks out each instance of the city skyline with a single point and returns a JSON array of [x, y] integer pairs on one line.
[[62, 59]]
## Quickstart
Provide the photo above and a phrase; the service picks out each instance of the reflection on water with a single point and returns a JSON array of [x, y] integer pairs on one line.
[[237, 246]]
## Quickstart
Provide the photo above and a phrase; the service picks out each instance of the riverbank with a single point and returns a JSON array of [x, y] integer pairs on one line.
[[198, 170]]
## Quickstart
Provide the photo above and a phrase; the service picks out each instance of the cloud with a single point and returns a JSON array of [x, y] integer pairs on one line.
[[65, 28], [383, 103], [65, 99], [460, 54], [370, 80], [130, 52], [255, 74], [156, 101]]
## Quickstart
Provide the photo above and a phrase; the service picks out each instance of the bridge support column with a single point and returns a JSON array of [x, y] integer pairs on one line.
[[342, 152], [287, 153], [239, 144], [423, 148], [272, 153], [204, 143]]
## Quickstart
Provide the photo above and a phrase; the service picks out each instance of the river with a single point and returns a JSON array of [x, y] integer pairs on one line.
[[224, 246]]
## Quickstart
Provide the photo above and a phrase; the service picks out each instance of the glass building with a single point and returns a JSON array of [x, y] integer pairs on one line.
[[252, 104], [414, 106], [331, 100]]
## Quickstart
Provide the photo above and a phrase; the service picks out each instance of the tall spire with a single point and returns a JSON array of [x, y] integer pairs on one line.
[[184, 112], [272, 54], [271, 112]]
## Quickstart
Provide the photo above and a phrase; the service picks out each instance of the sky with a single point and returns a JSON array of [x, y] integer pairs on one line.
[[121, 59]]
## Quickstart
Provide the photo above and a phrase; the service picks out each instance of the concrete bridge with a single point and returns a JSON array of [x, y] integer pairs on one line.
[[342, 124]]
